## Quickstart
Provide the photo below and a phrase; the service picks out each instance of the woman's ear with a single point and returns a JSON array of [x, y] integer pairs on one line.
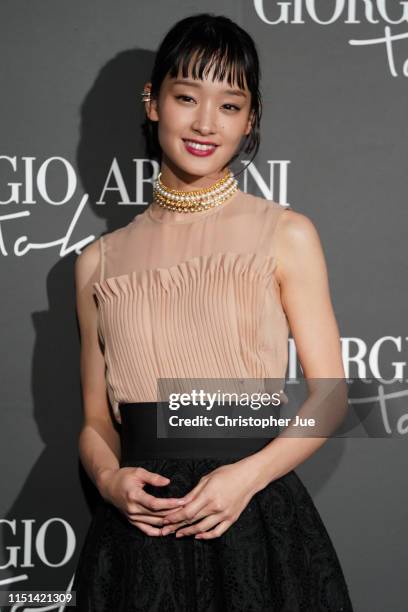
[[150, 103], [250, 123]]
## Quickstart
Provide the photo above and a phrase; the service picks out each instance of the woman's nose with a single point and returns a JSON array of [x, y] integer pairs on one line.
[[205, 120]]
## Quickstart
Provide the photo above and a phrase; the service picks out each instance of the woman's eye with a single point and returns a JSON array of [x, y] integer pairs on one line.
[[232, 106], [180, 97], [187, 98]]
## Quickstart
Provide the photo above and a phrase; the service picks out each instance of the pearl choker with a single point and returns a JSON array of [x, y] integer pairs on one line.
[[198, 199]]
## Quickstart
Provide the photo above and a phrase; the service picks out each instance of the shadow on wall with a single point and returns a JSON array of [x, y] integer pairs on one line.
[[57, 487], [111, 117]]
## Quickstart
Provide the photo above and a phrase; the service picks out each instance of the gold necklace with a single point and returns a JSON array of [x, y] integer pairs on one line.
[[198, 199]]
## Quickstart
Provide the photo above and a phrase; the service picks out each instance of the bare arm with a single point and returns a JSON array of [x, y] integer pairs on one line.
[[219, 497], [99, 442], [302, 275]]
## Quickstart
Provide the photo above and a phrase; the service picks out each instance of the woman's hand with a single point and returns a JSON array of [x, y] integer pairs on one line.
[[123, 488], [218, 500]]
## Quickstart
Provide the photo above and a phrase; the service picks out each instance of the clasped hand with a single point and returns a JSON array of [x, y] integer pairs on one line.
[[207, 511], [214, 504]]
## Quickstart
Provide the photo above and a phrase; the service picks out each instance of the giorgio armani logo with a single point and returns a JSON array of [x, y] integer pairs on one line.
[[385, 358], [30, 183], [327, 12], [27, 549], [381, 13], [31, 540]]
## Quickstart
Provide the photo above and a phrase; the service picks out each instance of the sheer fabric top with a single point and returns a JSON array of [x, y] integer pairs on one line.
[[191, 295]]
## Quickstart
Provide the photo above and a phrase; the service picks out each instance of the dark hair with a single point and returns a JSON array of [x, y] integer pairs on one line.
[[216, 40]]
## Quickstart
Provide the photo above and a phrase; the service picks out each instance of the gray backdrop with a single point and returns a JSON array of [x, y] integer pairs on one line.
[[334, 136]]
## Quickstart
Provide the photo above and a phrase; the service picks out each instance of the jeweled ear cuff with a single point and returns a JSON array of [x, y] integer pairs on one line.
[[145, 96]]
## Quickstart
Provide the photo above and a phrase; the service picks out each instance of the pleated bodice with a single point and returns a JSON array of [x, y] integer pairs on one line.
[[191, 295]]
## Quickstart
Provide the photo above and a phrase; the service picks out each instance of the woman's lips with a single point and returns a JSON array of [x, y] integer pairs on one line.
[[202, 151]]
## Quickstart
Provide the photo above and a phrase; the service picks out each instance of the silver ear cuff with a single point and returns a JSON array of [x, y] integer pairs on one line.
[[145, 96]]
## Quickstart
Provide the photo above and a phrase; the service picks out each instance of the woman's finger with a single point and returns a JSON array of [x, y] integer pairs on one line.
[[150, 502], [170, 528], [194, 492], [139, 509], [146, 518], [191, 508], [214, 533], [147, 529], [189, 512], [206, 522]]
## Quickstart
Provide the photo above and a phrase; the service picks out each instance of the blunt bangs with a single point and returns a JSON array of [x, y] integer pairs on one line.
[[201, 56]]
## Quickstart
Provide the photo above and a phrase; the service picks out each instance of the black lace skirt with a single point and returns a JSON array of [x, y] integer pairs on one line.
[[277, 557]]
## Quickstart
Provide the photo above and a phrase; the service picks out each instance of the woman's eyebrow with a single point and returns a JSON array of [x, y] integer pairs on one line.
[[233, 92]]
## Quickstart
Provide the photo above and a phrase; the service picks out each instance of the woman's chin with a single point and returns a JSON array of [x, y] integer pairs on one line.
[[197, 166]]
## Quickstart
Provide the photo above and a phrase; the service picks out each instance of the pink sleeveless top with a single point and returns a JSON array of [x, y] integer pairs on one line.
[[191, 295]]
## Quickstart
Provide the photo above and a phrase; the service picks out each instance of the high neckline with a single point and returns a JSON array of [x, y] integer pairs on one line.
[[171, 217]]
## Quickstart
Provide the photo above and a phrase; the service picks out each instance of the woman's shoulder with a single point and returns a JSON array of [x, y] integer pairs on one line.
[[289, 219], [93, 255], [296, 235], [114, 237], [281, 226], [262, 206], [87, 264]]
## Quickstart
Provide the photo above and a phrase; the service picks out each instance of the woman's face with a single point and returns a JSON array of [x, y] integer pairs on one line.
[[202, 111]]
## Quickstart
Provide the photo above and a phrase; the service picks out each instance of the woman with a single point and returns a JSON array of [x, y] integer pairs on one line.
[[206, 288]]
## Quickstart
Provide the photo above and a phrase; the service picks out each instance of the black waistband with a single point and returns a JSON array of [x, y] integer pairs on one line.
[[139, 439]]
